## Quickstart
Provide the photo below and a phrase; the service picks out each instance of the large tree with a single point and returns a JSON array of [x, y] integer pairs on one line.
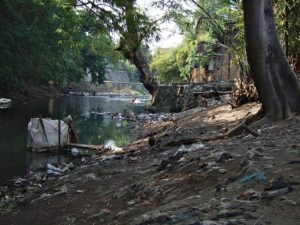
[[132, 26], [277, 85], [43, 40]]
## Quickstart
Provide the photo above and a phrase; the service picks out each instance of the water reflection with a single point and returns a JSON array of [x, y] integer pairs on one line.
[[94, 127]]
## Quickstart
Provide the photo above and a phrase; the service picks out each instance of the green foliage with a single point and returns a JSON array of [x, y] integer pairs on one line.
[[133, 28], [287, 15], [43, 40], [131, 70], [223, 21], [164, 66], [174, 65]]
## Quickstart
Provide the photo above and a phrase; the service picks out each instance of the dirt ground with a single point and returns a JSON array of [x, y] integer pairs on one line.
[[239, 180]]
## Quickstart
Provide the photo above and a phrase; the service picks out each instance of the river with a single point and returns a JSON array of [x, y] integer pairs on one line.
[[91, 122]]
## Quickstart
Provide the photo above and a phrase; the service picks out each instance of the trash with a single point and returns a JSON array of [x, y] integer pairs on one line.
[[58, 171], [270, 194], [131, 202], [43, 196], [112, 146], [178, 218], [51, 172], [193, 147], [249, 195], [182, 150], [153, 217], [75, 152], [111, 157], [19, 181], [63, 190], [257, 175], [221, 170], [44, 133], [279, 183], [5, 103]]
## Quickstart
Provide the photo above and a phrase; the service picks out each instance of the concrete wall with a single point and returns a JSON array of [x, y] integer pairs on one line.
[[176, 98]]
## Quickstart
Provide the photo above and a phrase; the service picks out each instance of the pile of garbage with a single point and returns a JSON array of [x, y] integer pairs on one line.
[[20, 188], [221, 183], [244, 180]]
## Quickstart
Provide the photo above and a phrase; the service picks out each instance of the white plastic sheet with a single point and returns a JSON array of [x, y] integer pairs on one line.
[[39, 137]]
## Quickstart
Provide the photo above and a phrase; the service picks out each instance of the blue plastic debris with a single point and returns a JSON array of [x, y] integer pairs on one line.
[[257, 175]]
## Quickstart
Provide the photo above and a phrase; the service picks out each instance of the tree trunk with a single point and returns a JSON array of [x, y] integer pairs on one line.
[[135, 56], [277, 85], [145, 75]]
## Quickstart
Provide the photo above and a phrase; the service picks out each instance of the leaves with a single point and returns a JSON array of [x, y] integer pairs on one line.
[[42, 40]]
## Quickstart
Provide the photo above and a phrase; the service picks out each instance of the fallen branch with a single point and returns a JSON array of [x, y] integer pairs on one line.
[[232, 132]]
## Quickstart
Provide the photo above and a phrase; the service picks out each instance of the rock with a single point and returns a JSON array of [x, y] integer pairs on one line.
[[90, 176], [132, 202], [151, 140]]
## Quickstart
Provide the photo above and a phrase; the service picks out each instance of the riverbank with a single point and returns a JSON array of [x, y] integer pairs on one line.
[[27, 93], [239, 180]]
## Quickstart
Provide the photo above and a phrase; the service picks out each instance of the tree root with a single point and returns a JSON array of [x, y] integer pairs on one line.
[[232, 132]]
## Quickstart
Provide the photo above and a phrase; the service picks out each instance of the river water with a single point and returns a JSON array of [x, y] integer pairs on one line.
[[88, 113]]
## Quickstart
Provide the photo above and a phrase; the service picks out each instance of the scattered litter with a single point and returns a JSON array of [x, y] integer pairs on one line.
[[257, 176], [58, 171], [132, 202], [63, 190], [194, 147], [112, 157], [75, 152], [112, 146], [5, 103], [270, 194], [249, 194], [288, 201], [44, 133]]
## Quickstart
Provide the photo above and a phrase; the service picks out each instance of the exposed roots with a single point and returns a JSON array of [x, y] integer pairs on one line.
[[243, 91]]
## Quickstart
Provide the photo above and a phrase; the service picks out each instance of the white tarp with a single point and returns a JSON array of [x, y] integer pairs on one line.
[[43, 133]]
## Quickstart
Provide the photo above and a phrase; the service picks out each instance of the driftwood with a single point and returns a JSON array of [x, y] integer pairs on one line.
[[99, 149], [232, 132]]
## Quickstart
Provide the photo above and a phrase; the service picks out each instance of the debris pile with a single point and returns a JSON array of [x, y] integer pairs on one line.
[[244, 180]]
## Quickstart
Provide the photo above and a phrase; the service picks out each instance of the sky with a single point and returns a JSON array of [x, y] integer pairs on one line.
[[169, 35]]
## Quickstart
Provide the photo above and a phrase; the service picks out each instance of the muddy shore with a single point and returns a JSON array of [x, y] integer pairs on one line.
[[238, 180]]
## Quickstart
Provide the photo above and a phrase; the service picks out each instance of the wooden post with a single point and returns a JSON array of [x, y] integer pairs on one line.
[[43, 127], [72, 130]]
